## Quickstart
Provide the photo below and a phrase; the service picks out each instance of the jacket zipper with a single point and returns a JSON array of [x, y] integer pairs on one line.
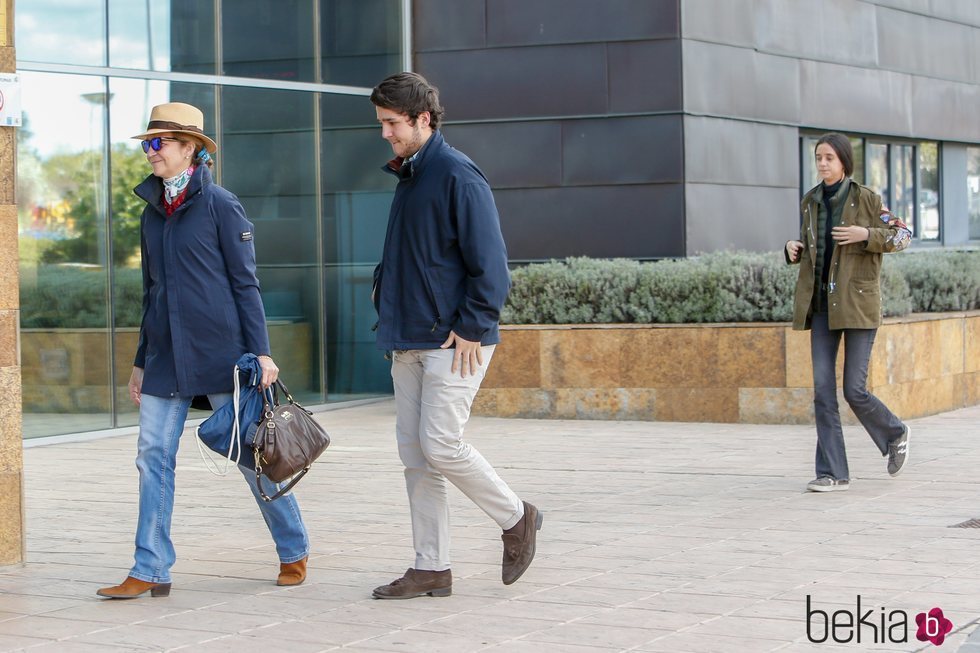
[[831, 283], [432, 298]]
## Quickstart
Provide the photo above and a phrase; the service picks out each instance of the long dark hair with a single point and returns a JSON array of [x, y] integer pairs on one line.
[[411, 94], [842, 147]]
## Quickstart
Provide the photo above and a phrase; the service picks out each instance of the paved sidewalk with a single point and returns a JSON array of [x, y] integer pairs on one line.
[[657, 537]]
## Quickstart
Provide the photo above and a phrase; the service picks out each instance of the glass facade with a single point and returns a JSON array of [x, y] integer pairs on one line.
[[298, 144], [906, 176], [928, 185], [973, 190]]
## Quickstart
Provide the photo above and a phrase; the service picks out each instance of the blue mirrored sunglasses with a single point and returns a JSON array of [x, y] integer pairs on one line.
[[156, 143]]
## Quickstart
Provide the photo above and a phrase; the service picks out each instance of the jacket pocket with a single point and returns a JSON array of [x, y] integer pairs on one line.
[[866, 286], [433, 293]]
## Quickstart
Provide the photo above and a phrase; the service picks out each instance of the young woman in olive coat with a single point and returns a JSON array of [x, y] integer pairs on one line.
[[845, 231]]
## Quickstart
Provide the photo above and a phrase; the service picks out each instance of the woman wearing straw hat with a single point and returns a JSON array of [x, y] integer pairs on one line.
[[201, 311]]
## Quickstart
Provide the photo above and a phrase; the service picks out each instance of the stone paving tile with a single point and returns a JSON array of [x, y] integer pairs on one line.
[[528, 607], [668, 537], [686, 642], [685, 602], [143, 637], [324, 634], [385, 614], [522, 646], [64, 647], [621, 638], [212, 621], [423, 640], [488, 627], [248, 644], [780, 630], [50, 627]]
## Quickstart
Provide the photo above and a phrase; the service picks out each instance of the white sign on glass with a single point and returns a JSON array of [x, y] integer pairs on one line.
[[9, 100]]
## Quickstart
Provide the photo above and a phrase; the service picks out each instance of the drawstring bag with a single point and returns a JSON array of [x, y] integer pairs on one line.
[[222, 431]]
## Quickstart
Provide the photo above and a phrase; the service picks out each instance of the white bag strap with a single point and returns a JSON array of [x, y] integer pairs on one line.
[[206, 456]]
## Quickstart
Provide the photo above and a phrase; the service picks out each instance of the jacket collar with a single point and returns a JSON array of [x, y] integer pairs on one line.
[[407, 169], [151, 189], [842, 191]]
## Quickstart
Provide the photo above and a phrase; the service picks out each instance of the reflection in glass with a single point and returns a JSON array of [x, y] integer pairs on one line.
[[877, 173], [162, 35], [248, 50], [903, 185], [268, 160], [356, 199], [928, 191], [360, 40], [55, 31], [810, 176], [63, 255], [129, 111], [973, 190], [857, 144], [140, 34]]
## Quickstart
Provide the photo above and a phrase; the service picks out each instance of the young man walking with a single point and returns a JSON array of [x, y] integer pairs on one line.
[[439, 289]]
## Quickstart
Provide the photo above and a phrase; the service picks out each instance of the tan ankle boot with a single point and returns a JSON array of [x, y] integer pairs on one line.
[[292, 573], [134, 587]]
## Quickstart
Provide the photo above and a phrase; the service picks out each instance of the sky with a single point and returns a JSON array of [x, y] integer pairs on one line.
[[66, 113]]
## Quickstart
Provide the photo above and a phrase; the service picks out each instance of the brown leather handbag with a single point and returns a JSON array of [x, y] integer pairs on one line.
[[287, 441]]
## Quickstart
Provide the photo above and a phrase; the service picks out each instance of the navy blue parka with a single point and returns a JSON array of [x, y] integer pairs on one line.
[[201, 304], [444, 265]]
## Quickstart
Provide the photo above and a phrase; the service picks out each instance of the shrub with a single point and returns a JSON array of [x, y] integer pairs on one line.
[[721, 287], [941, 280], [75, 298]]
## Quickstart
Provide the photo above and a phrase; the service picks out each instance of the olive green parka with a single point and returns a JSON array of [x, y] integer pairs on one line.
[[853, 284]]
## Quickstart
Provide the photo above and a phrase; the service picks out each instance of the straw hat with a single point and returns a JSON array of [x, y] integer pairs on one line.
[[177, 118]]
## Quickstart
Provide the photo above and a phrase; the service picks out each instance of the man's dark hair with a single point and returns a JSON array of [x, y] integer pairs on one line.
[[842, 146], [411, 94]]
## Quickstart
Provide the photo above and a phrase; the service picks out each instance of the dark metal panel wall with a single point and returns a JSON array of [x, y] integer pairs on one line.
[[756, 71], [573, 113]]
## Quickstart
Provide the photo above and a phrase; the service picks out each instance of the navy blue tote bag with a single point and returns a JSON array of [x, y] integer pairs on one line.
[[230, 429]]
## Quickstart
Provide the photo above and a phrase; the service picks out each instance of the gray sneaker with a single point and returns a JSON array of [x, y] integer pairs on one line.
[[898, 453], [827, 484]]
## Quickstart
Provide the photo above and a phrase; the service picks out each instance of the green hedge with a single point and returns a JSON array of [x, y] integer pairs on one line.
[[721, 287], [54, 296]]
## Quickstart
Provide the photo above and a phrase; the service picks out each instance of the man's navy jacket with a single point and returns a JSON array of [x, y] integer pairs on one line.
[[444, 265], [201, 304]]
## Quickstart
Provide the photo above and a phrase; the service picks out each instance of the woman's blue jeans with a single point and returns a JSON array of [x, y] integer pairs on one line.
[[161, 424], [880, 423]]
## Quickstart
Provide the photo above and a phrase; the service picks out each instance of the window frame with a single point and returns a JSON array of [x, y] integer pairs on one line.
[[867, 140]]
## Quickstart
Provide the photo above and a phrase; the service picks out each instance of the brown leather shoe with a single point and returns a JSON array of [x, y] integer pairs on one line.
[[417, 582], [134, 587], [519, 544], [292, 573]]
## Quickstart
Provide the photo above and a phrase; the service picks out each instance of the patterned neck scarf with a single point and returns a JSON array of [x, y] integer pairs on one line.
[[176, 185]]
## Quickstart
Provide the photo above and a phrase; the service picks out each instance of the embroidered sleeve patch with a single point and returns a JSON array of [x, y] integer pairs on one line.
[[246, 235], [902, 234]]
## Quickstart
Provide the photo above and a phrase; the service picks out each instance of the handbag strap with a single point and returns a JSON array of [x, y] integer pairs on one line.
[[293, 481], [285, 391]]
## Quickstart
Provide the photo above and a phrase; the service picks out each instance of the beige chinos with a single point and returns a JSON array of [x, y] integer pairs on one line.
[[432, 406]]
